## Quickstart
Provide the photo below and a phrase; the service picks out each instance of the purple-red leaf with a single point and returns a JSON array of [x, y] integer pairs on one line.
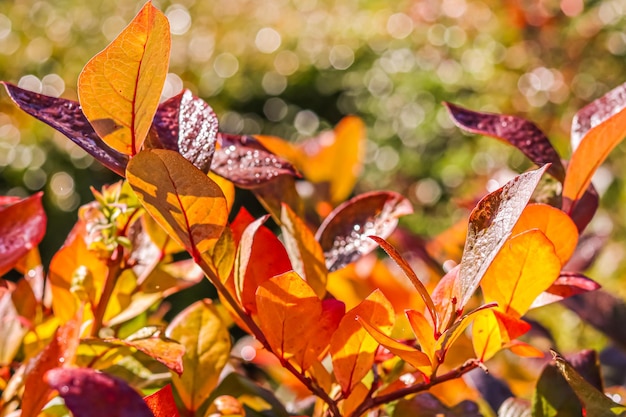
[[88, 393], [22, 226], [344, 235], [566, 285], [67, 117], [188, 125], [521, 133], [247, 163]]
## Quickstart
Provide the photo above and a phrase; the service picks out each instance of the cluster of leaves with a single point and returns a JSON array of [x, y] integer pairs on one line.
[[91, 329]]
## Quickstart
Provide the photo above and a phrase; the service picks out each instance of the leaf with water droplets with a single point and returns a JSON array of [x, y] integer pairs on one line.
[[188, 125], [22, 226], [67, 117], [344, 234], [89, 393], [521, 133], [490, 225], [247, 163]]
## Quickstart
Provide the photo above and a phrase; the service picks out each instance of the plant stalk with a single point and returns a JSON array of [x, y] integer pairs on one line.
[[115, 264]]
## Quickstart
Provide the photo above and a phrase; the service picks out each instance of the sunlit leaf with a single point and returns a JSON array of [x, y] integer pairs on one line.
[[88, 393], [281, 190], [521, 133], [490, 226], [119, 89], [181, 198], [67, 117], [356, 397], [442, 297], [352, 349], [566, 285], [188, 125], [557, 226], [424, 332], [11, 329], [22, 226], [596, 129], [305, 253], [525, 267], [344, 234], [168, 352], [162, 403], [200, 329], [493, 332]]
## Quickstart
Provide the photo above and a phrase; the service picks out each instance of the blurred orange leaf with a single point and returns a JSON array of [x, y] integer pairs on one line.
[[119, 89]]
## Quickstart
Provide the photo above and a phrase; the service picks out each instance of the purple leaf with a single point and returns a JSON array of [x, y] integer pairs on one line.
[[186, 124], [88, 393], [568, 284], [343, 236], [247, 163], [67, 117], [521, 133]]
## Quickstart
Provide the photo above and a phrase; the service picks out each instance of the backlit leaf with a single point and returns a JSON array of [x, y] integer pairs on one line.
[[281, 190], [188, 125], [181, 198], [490, 226], [424, 332], [168, 352], [200, 329], [344, 234], [11, 329], [22, 226], [89, 393], [162, 403], [493, 332], [521, 133], [566, 285], [352, 349], [596, 129], [119, 89], [67, 117]]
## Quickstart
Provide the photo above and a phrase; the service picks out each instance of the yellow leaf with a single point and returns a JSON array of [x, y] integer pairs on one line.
[[424, 332], [486, 337], [119, 89]]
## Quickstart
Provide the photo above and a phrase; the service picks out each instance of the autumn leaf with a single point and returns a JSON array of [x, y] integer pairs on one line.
[[493, 332], [119, 89], [162, 403], [566, 285], [424, 332], [168, 352], [11, 329]]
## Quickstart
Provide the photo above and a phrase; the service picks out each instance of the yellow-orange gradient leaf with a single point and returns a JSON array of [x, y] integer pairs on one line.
[[424, 332], [120, 88]]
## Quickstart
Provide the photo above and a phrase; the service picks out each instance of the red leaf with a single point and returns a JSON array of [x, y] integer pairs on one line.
[[88, 393], [67, 117], [162, 403], [22, 226], [566, 285]]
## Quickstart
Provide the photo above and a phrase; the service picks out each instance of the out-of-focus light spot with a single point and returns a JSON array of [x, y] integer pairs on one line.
[[30, 83], [399, 60], [53, 85], [455, 37], [399, 25], [210, 84], [305, 189], [231, 122], [584, 86], [10, 44], [34, 179], [39, 50], [9, 134], [572, 8], [378, 83], [226, 65], [436, 34], [173, 85], [5, 26], [274, 83], [341, 57], [275, 109], [180, 20], [449, 71], [427, 191], [23, 157], [17, 192], [248, 353], [67, 203], [602, 179], [7, 154], [306, 122], [616, 43], [286, 63], [452, 176], [201, 47], [267, 40], [62, 184], [387, 158], [448, 265], [610, 12], [112, 26], [412, 115], [454, 8]]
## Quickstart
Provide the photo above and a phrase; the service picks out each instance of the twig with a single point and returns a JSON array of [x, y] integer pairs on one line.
[[115, 264]]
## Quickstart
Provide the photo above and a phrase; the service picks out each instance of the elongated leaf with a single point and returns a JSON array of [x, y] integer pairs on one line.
[[424, 332], [596, 129], [490, 226], [119, 89], [181, 198], [207, 347], [88, 393], [162, 403], [247, 163], [188, 125], [566, 285], [12, 330], [352, 349], [168, 352], [344, 234], [67, 117], [22, 226], [493, 332]]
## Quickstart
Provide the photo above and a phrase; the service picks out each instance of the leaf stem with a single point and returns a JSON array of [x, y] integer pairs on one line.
[[115, 264]]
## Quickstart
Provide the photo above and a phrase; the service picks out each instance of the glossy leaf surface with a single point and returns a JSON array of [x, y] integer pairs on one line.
[[490, 225], [162, 403], [88, 393], [22, 226], [119, 89], [521, 133], [200, 329], [188, 125], [67, 117], [181, 198], [344, 234]]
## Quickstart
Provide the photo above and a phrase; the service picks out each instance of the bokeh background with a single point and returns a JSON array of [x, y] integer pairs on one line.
[[293, 68]]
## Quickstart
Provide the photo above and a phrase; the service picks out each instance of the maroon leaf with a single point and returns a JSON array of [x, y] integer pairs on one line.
[[247, 163], [566, 285], [88, 393], [22, 226], [67, 117], [490, 225], [186, 124], [162, 403], [583, 210], [344, 234], [521, 133]]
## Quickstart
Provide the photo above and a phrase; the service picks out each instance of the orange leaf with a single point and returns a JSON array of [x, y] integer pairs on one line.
[[493, 332], [524, 349], [356, 397], [180, 197], [424, 332], [525, 267], [162, 403], [119, 89], [554, 223], [352, 349]]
